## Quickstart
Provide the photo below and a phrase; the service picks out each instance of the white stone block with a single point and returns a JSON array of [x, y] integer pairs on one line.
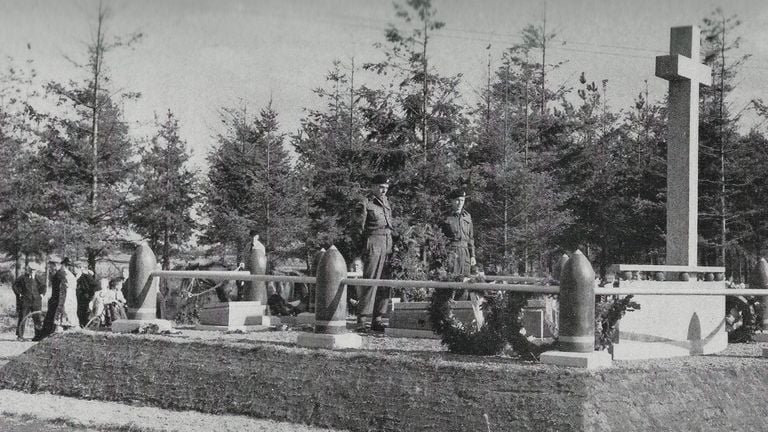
[[590, 360], [234, 314], [329, 341], [248, 328]]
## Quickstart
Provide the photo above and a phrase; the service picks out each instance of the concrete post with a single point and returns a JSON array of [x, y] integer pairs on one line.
[[577, 318], [256, 265], [577, 305], [313, 271], [331, 306], [331, 296], [142, 293]]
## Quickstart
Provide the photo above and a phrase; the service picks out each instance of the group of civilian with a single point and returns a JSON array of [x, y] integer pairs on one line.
[[77, 297]]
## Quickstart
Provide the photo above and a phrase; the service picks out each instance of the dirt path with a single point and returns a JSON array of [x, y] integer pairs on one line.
[[77, 414]]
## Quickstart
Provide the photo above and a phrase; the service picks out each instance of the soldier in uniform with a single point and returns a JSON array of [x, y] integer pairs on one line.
[[376, 238], [457, 227], [29, 291]]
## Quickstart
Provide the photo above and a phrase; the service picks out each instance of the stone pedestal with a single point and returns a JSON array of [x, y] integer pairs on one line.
[[245, 315], [330, 328], [411, 319], [330, 341], [132, 325], [584, 360]]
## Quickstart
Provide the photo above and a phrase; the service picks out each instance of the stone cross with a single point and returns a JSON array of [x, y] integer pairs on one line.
[[684, 73]]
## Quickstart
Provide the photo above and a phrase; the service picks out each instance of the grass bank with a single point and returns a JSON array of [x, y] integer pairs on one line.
[[391, 390]]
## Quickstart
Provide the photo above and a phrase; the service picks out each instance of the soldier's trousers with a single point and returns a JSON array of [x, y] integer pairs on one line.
[[373, 300], [459, 264]]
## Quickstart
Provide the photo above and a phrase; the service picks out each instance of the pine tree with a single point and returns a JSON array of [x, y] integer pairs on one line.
[[166, 192], [718, 135], [418, 114], [252, 187], [88, 156]]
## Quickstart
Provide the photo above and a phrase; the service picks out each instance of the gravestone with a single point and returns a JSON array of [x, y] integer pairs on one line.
[[243, 315], [411, 319]]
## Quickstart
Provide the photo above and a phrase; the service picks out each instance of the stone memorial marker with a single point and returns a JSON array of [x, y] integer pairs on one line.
[[684, 73]]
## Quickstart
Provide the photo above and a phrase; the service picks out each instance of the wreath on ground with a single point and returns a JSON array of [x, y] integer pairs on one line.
[[502, 331]]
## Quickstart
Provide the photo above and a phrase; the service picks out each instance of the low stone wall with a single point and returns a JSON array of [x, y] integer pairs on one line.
[[393, 391]]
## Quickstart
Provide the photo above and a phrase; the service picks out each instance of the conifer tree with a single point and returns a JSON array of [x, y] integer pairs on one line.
[[88, 157], [252, 187], [166, 192]]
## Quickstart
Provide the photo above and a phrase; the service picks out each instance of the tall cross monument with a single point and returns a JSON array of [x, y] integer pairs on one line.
[[684, 73]]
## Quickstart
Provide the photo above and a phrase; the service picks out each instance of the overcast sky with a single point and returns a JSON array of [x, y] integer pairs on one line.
[[199, 56]]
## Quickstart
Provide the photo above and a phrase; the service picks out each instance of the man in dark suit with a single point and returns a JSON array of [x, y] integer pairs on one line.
[[56, 271], [29, 291], [86, 289]]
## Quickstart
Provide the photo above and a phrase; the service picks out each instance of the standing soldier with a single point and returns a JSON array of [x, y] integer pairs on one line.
[[457, 227], [376, 235], [29, 292]]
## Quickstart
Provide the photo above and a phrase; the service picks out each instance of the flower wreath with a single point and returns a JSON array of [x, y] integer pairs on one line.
[[500, 332]]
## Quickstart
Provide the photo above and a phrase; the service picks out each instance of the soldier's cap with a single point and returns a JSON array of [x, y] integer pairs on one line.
[[33, 266], [380, 179], [457, 193]]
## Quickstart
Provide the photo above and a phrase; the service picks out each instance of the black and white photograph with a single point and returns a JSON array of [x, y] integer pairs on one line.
[[383, 215]]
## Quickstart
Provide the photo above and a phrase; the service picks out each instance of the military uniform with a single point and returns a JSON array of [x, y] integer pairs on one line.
[[376, 228], [29, 292], [461, 245]]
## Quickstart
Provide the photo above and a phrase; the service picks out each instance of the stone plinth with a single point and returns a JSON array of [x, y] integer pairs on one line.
[[584, 360], [672, 325], [132, 325], [245, 315], [330, 341]]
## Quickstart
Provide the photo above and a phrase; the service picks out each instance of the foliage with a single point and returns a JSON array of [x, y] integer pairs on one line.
[[252, 187], [608, 312], [501, 331], [87, 160], [166, 192], [743, 316]]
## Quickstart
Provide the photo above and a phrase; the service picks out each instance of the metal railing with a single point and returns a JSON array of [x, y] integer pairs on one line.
[[498, 283]]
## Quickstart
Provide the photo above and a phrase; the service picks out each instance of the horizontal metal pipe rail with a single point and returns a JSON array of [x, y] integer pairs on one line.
[[541, 289]]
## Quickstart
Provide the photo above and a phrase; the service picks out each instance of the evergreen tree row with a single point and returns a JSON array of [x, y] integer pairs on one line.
[[547, 169]]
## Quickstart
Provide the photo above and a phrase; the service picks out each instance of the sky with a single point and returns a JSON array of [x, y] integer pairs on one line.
[[197, 57]]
